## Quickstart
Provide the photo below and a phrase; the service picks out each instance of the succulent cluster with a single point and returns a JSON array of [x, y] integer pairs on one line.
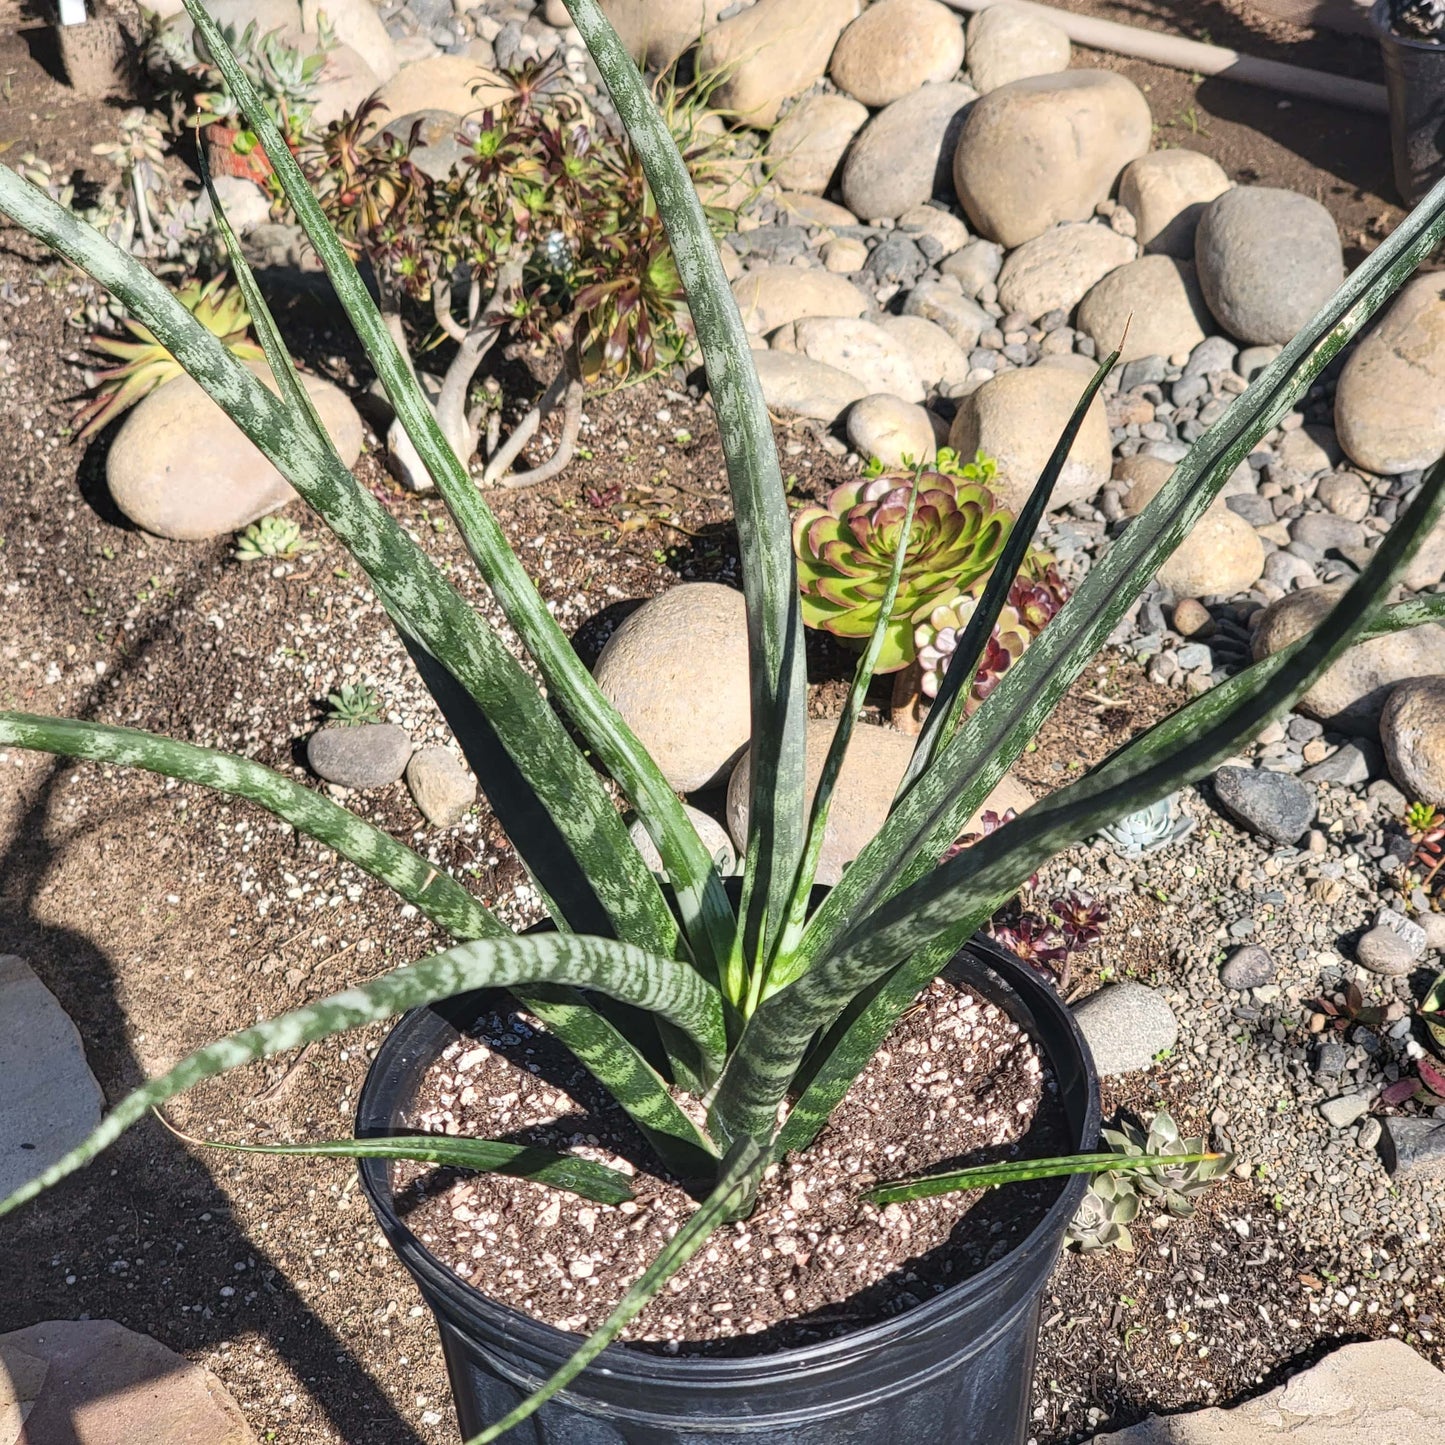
[[1149, 829], [1175, 1186], [1105, 1214], [271, 537], [1425, 829], [145, 362], [1048, 934], [352, 704]]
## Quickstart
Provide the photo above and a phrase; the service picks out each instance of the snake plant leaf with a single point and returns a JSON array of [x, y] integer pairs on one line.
[[562, 1171], [952, 696], [410, 587], [736, 1181], [990, 1176], [940, 911], [702, 904], [659, 985], [969, 764], [775, 629]]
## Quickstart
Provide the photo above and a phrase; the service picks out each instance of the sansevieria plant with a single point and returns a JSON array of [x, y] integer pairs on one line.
[[769, 1011]]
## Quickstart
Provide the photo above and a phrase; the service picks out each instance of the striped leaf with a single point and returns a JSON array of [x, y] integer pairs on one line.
[[736, 1182], [990, 1176], [485, 1156], [414, 593], [938, 913], [970, 764], [658, 985], [775, 628], [702, 904]]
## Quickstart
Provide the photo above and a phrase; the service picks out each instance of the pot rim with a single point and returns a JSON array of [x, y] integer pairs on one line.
[[1027, 988], [1385, 29]]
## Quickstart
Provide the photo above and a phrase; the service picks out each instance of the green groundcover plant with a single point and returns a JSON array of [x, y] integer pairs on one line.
[[765, 1013]]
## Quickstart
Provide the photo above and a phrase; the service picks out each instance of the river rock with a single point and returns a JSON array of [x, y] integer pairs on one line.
[[796, 385], [894, 431], [806, 147], [1274, 805], [1018, 416], [456, 83], [1385, 952], [243, 203], [1166, 193], [1351, 695], [51, 1100], [1268, 260], [1412, 730], [1247, 968], [1053, 272], [441, 786], [770, 51], [714, 838], [1047, 149], [866, 351], [937, 357], [771, 296], [904, 154], [1009, 42], [933, 221], [94, 1382], [677, 671], [975, 266], [895, 46], [800, 209], [1126, 1025], [1390, 404], [1414, 1148], [355, 23], [360, 756], [1157, 298], [181, 468], [875, 764], [656, 32], [963, 320]]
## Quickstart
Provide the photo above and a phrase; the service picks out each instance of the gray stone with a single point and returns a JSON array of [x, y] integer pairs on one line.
[[875, 357], [677, 671], [1253, 359], [1384, 952], [1215, 354], [932, 221], [894, 431], [714, 838], [368, 755], [1325, 532], [1009, 42], [51, 1100], [1412, 730], [937, 357], [1330, 1060], [1411, 932], [1351, 763], [656, 32], [1268, 260], [1346, 495], [894, 47], [795, 385], [441, 786], [974, 266], [94, 1382], [771, 296], [964, 320], [806, 147], [1126, 1025], [1249, 967], [904, 154], [1047, 149], [1153, 305], [1166, 193], [1413, 1148], [1274, 805], [1055, 271], [1376, 1393], [1345, 1110]]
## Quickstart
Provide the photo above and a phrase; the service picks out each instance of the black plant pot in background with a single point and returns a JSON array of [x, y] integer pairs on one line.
[[955, 1370], [1415, 85]]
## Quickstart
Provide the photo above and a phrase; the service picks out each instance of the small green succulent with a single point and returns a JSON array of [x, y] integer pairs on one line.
[[352, 704], [1105, 1214], [1176, 1186], [845, 550], [271, 537]]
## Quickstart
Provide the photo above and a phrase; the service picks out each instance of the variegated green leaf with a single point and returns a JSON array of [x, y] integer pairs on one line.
[[990, 1176]]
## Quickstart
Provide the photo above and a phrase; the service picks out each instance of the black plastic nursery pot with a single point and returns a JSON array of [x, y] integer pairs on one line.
[[1415, 87], [955, 1370]]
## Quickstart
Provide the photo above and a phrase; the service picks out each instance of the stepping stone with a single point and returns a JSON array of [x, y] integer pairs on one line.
[[94, 1382], [1380, 1392], [50, 1101]]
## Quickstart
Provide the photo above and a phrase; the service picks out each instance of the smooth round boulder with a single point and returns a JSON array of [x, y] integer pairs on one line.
[[1268, 260], [1390, 403], [771, 296], [1152, 306], [937, 357], [1166, 193], [796, 385], [677, 671], [895, 46], [974, 266], [890, 430], [712, 833], [1009, 42], [864, 350], [1351, 695], [1047, 149], [904, 154], [874, 766], [806, 147], [1054, 271], [1412, 730], [181, 468], [1017, 418], [362, 756]]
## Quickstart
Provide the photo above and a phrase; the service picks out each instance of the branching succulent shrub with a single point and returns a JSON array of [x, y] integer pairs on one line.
[[767, 1013]]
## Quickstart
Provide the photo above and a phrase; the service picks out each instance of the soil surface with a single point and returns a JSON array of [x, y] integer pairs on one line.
[[162, 916]]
